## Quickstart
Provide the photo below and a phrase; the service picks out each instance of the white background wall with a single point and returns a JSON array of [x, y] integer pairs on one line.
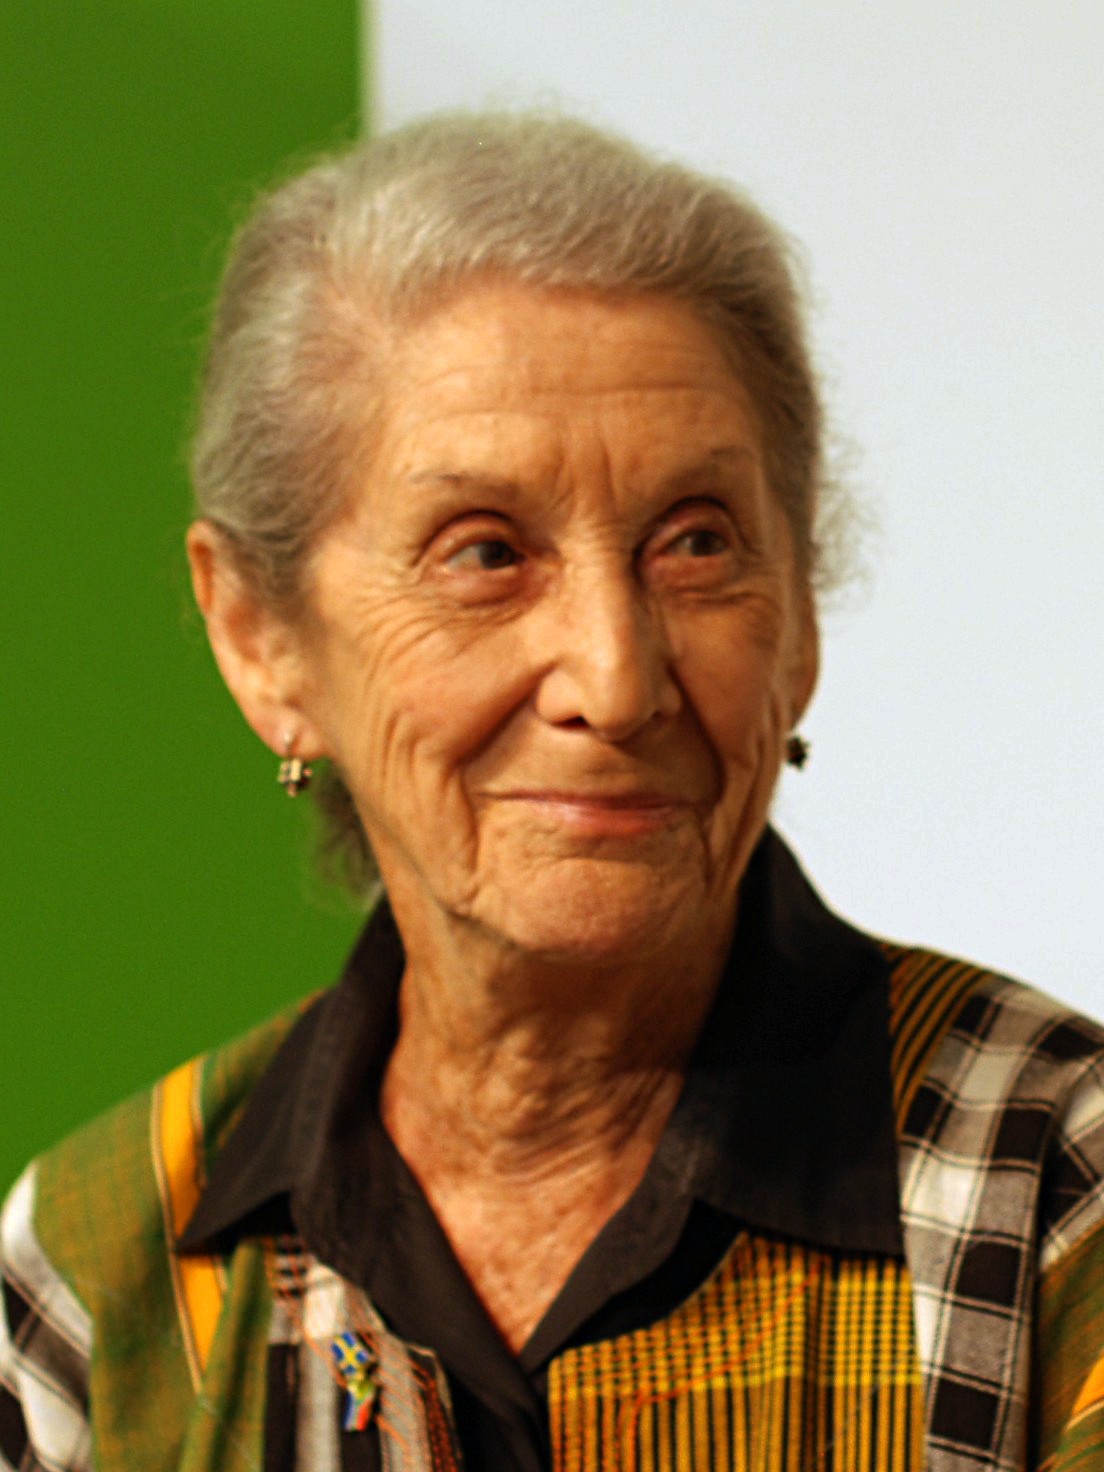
[[943, 163]]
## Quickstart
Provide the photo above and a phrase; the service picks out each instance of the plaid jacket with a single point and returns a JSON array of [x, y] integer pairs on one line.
[[985, 1349]]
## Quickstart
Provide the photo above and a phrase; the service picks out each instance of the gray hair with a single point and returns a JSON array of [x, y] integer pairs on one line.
[[336, 261]]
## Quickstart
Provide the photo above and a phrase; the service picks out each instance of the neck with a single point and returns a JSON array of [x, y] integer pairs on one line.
[[528, 1093], [513, 1065]]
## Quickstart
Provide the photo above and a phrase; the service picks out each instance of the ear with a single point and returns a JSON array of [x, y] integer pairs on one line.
[[258, 653], [805, 664]]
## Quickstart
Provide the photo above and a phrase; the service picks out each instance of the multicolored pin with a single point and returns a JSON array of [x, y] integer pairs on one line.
[[356, 1365]]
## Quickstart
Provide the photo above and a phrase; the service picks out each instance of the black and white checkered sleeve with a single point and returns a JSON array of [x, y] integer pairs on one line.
[[45, 1342], [1002, 1182]]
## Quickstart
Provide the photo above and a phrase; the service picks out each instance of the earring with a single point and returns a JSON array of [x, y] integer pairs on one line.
[[797, 750], [294, 774]]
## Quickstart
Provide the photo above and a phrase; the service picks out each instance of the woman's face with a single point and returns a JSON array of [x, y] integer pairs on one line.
[[556, 640]]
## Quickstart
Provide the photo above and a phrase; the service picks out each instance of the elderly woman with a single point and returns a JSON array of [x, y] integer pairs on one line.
[[612, 1148]]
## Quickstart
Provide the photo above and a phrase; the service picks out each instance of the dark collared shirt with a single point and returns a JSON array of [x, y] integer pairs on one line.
[[785, 1125]]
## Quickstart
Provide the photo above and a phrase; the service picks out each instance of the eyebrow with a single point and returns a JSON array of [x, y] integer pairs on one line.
[[727, 458], [464, 480]]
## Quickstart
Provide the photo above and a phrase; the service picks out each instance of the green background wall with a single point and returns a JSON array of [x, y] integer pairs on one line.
[[155, 879]]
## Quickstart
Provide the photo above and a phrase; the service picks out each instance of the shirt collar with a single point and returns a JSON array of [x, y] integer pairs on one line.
[[786, 1119]]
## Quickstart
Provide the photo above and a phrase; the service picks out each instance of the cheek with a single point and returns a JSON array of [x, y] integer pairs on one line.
[[413, 700], [742, 715], [732, 671]]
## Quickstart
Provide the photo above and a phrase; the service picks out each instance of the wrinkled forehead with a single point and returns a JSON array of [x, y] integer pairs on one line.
[[517, 374]]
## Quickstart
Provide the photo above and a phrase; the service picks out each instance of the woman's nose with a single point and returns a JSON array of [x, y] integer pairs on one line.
[[607, 658]]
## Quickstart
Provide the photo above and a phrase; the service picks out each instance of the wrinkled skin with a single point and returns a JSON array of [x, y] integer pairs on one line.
[[555, 643], [558, 639]]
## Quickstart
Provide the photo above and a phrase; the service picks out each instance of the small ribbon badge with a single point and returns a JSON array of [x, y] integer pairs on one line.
[[356, 1366]]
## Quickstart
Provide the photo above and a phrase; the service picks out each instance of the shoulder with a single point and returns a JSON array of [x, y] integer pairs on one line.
[[952, 1019], [999, 1080], [86, 1260], [109, 1194]]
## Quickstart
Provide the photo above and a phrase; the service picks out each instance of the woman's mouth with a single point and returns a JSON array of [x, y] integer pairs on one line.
[[600, 815]]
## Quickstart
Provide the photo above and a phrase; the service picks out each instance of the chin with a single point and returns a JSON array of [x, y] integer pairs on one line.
[[588, 911]]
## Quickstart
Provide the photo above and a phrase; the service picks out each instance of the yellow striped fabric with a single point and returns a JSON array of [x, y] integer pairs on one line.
[[787, 1360], [925, 993], [199, 1282]]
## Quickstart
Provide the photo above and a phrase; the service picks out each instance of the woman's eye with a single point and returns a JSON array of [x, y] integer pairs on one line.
[[701, 542], [698, 557], [488, 555]]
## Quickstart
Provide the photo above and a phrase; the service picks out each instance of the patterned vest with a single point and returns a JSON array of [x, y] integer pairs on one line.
[[786, 1358]]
